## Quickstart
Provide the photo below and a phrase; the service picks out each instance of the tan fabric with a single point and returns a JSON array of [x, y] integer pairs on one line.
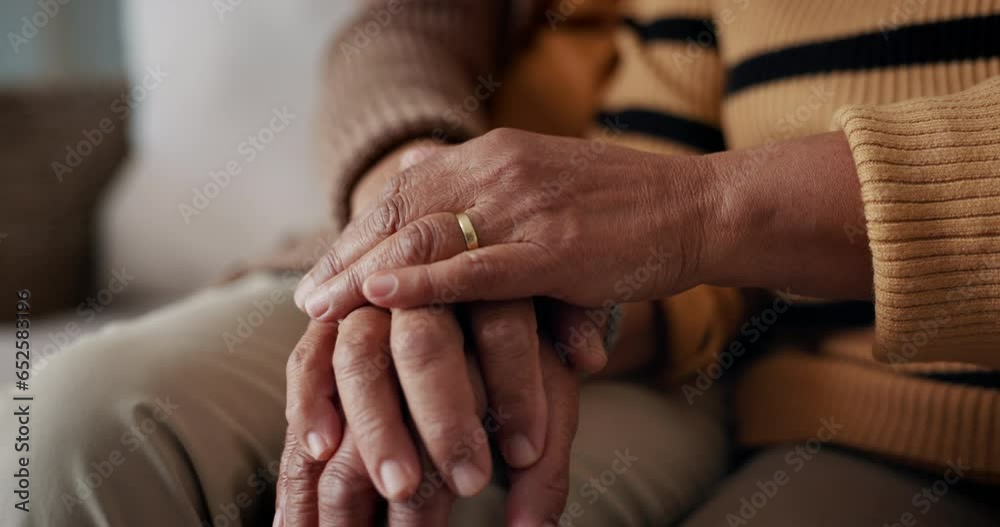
[[930, 178], [814, 484], [177, 418], [920, 421]]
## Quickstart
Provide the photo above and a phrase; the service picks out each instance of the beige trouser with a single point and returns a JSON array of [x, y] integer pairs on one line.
[[177, 419]]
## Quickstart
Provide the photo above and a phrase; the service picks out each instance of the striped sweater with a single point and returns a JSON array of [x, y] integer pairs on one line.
[[915, 86]]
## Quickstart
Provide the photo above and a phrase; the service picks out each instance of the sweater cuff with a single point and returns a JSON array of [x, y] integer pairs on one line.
[[358, 141], [930, 181]]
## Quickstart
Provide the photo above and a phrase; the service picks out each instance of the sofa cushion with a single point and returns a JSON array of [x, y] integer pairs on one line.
[[59, 147]]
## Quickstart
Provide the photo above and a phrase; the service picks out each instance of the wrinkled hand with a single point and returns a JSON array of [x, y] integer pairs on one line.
[[585, 222], [340, 491]]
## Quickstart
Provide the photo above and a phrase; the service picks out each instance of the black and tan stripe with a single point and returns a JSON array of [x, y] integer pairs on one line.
[[935, 42]]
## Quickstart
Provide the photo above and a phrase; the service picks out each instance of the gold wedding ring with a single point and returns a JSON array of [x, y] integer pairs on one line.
[[471, 239]]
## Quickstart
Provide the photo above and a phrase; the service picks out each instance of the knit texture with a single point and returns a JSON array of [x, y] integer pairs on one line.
[[403, 70], [930, 176]]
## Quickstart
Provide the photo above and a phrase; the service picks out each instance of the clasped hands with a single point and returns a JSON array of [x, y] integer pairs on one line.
[[414, 339]]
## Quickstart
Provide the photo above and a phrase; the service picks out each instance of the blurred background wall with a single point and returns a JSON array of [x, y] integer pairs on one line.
[[148, 147], [83, 41]]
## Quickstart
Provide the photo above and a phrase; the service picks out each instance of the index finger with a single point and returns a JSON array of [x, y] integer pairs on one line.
[[407, 196]]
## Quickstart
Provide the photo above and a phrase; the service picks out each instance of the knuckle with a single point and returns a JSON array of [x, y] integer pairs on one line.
[[299, 357], [369, 426], [355, 336], [440, 432], [500, 333], [390, 213], [297, 466], [365, 322], [330, 265], [350, 366], [360, 338], [340, 484], [416, 242], [419, 352], [501, 135]]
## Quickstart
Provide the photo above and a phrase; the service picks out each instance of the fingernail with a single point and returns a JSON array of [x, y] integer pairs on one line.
[[381, 286], [278, 520], [469, 480], [394, 479], [520, 452], [302, 292], [317, 304], [317, 446]]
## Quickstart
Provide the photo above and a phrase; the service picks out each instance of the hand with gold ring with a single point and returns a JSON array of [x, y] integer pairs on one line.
[[582, 221], [421, 371]]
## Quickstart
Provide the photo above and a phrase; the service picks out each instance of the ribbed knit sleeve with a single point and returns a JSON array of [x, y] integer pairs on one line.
[[405, 69], [930, 179]]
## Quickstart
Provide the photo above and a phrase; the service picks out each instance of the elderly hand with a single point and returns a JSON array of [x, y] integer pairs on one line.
[[581, 221], [504, 336], [593, 224], [343, 489]]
